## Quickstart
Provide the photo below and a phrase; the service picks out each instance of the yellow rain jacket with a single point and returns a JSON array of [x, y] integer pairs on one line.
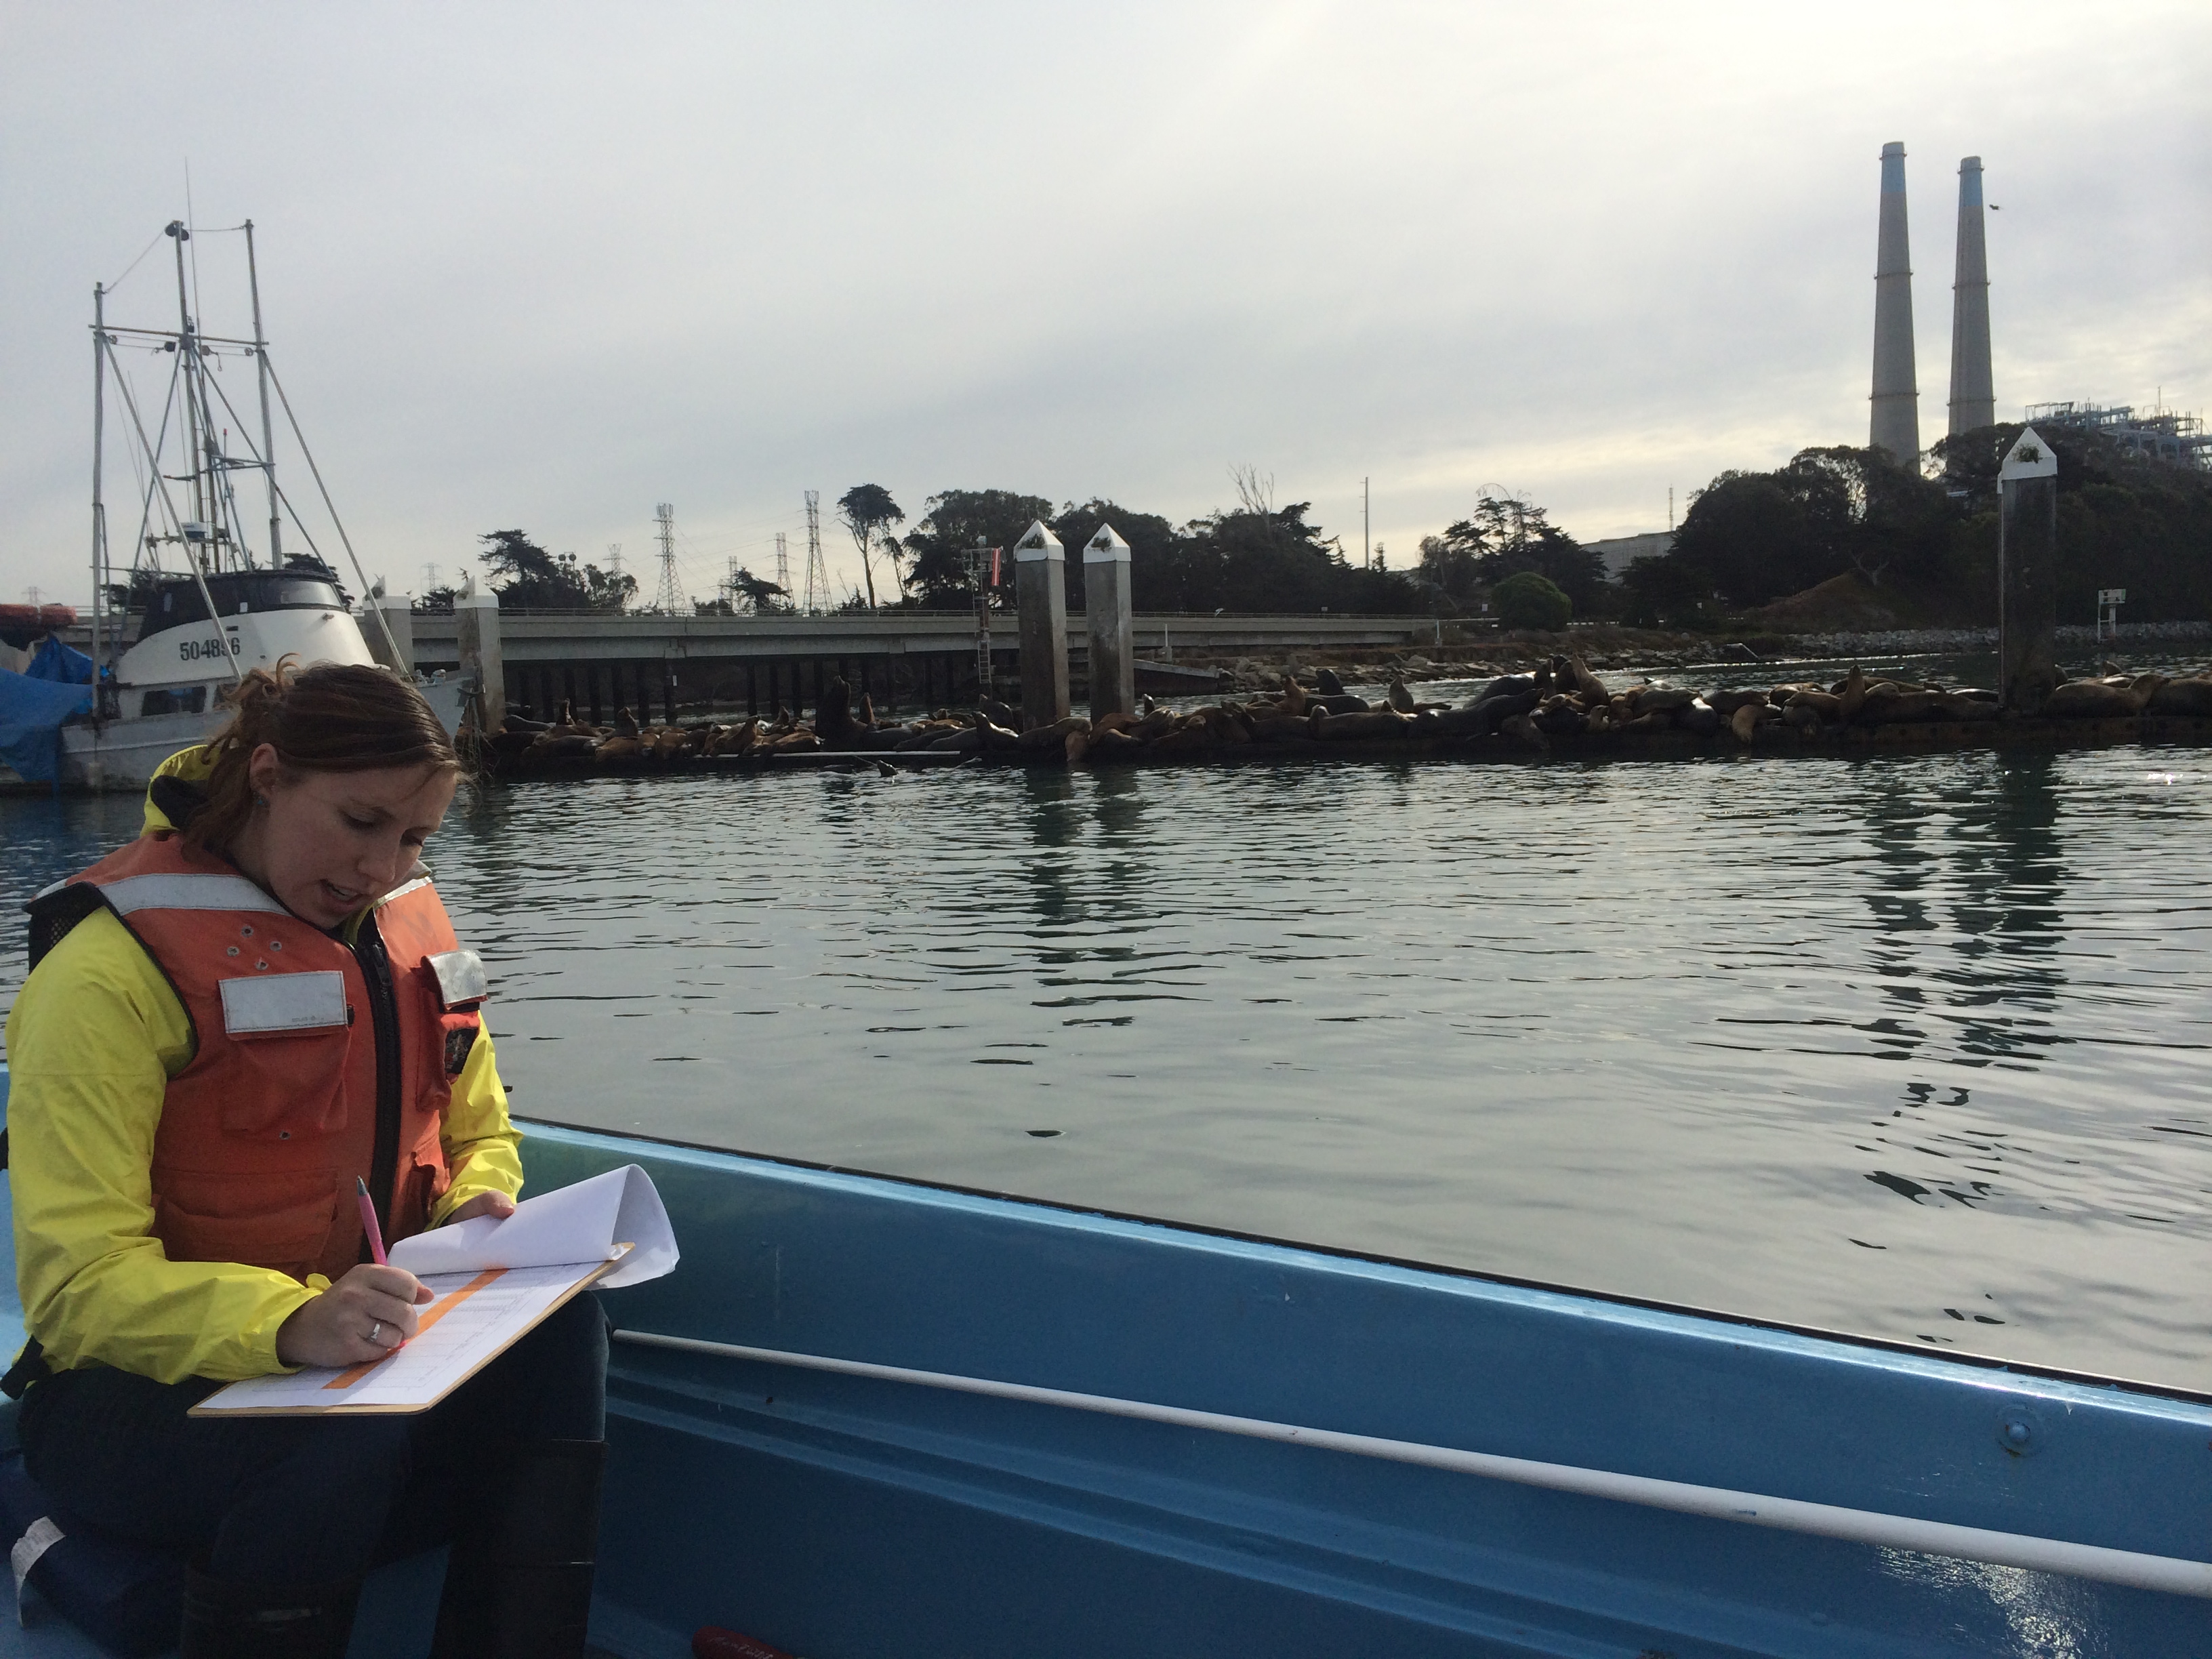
[[94, 1039]]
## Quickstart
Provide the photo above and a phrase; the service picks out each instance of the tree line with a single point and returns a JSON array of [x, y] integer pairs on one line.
[[1926, 538]]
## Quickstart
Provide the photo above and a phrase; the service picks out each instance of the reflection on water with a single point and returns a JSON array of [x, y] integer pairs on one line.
[[1907, 1046]]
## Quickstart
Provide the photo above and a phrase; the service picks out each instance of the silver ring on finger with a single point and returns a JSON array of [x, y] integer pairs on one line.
[[373, 1330]]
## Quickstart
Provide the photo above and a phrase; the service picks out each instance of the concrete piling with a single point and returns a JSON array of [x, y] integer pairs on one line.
[[475, 624], [2027, 574], [1112, 615], [1041, 592], [398, 613]]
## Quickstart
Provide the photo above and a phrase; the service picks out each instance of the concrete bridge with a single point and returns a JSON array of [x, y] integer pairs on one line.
[[910, 658]]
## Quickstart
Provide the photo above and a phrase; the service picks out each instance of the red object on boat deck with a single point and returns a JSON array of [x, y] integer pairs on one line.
[[712, 1642]]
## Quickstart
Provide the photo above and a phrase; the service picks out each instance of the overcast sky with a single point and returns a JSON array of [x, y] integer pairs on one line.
[[545, 265]]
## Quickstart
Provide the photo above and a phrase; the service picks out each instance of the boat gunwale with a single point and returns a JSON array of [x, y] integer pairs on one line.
[[2100, 1390]]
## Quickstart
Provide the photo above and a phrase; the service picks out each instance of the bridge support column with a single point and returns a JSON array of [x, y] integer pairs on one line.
[[2027, 574], [1112, 615], [1041, 591], [475, 621], [399, 614]]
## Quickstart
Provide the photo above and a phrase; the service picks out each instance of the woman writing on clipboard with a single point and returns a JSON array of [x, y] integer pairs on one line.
[[228, 1024]]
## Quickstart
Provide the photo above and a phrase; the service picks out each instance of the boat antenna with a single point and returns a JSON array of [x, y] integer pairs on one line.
[[331, 506], [267, 442]]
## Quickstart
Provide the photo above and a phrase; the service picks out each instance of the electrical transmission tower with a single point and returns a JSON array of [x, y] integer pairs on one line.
[[818, 574], [668, 599], [782, 567]]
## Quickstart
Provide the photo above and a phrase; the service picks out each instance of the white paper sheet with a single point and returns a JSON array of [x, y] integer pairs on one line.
[[476, 1315], [587, 1222]]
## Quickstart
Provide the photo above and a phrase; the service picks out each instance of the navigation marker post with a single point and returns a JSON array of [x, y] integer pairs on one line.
[[1041, 591], [1112, 615], [2027, 574]]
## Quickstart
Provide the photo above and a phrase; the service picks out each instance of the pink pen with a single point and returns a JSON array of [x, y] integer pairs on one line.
[[369, 1222]]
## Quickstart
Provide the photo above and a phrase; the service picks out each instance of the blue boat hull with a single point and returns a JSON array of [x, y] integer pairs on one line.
[[844, 1517], [837, 1516]]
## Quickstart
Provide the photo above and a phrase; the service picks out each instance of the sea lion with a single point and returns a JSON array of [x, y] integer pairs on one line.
[[2192, 697], [1582, 680], [1383, 723], [2089, 699], [1054, 736], [1894, 708], [1663, 699], [1075, 746], [1853, 696], [1823, 705], [1294, 696], [625, 722], [868, 714], [1326, 682], [618, 748], [1000, 713], [1726, 701], [1523, 729], [1744, 720], [1698, 716], [1399, 698], [1117, 721]]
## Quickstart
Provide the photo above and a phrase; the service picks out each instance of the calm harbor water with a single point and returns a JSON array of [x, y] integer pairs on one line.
[[1910, 1046]]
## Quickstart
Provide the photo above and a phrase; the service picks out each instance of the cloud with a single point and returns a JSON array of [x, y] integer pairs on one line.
[[547, 265]]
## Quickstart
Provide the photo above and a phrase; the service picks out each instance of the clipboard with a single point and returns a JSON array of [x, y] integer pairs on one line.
[[495, 1282], [477, 1317]]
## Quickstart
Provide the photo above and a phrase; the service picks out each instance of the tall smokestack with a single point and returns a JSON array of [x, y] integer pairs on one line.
[[1973, 397], [1896, 426]]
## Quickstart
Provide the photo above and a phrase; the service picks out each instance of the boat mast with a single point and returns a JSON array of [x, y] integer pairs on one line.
[[99, 508], [176, 231], [267, 442]]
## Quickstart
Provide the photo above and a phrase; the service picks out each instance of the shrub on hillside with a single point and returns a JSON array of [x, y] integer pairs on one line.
[[1529, 600]]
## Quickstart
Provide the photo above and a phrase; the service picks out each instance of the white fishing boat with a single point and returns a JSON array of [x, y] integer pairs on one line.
[[199, 604]]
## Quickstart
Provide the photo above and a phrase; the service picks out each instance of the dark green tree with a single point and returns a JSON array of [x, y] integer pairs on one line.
[[1526, 599], [955, 520], [867, 512], [538, 580]]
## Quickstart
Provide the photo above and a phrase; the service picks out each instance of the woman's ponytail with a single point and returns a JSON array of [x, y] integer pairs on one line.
[[334, 717]]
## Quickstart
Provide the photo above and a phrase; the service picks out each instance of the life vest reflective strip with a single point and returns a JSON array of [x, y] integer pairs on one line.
[[266, 1128]]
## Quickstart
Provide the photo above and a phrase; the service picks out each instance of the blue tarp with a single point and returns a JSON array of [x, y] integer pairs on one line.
[[31, 711], [55, 661]]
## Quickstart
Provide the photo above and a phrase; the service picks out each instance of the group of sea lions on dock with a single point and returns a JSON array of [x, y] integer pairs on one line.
[[1562, 703]]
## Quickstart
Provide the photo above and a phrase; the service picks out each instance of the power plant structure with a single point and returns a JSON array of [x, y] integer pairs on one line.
[[1896, 423], [1974, 395]]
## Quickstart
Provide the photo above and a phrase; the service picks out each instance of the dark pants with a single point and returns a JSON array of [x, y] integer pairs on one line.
[[289, 1500]]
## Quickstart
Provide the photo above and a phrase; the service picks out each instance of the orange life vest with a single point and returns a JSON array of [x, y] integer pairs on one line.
[[264, 1131]]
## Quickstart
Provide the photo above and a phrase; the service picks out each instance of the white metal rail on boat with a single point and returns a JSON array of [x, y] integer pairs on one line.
[[2171, 1574]]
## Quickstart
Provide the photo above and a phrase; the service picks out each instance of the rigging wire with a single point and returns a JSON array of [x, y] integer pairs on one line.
[[262, 461], [331, 506], [199, 576], [134, 263], [153, 455]]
